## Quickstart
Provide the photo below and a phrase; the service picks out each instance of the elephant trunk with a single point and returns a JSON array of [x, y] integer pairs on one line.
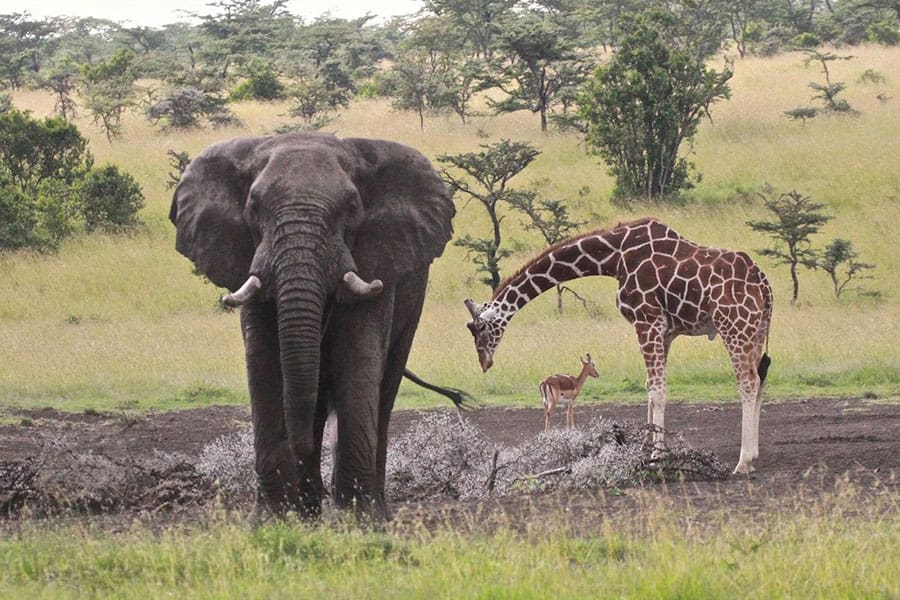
[[301, 289]]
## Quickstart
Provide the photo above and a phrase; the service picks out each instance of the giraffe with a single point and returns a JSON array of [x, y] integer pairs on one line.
[[667, 286]]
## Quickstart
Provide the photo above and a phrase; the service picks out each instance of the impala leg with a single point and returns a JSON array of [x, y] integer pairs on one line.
[[570, 415], [550, 407]]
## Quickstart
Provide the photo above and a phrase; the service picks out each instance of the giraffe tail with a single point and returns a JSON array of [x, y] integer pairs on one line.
[[763, 368]]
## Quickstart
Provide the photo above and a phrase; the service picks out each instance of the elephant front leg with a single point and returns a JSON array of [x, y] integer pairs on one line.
[[278, 489], [361, 337]]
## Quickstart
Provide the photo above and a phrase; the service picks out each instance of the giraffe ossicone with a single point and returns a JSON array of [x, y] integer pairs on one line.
[[667, 286]]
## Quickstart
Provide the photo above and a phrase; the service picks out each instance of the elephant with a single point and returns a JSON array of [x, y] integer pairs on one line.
[[325, 244]]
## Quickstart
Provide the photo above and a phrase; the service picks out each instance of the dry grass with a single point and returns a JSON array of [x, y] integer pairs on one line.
[[109, 321]]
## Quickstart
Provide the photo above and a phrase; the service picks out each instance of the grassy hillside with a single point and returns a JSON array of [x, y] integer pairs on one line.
[[114, 323]]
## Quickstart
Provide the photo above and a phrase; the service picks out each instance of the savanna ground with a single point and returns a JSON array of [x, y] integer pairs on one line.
[[811, 450], [114, 346]]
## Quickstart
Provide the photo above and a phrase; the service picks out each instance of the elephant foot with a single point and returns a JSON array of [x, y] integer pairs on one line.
[[369, 511]]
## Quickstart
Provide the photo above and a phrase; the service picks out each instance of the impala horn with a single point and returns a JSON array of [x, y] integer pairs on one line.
[[244, 293]]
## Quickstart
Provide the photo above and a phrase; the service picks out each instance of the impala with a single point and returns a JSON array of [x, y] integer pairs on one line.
[[564, 389]]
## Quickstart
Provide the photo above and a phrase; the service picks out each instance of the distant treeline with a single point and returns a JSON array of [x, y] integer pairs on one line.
[[534, 53]]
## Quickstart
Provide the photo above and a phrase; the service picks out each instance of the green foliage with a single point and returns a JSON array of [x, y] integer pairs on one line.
[[885, 32], [797, 218], [261, 83], [840, 261], [110, 200], [802, 113], [61, 80], [108, 91], [491, 169], [34, 150], [189, 108], [178, 161], [49, 189], [829, 91], [647, 101], [871, 76], [535, 65]]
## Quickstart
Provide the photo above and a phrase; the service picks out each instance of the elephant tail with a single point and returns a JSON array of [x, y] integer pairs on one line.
[[460, 398]]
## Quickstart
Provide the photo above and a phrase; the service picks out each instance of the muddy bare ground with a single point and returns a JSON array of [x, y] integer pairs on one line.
[[812, 449]]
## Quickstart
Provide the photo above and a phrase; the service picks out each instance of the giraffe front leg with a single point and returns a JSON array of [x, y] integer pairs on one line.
[[655, 348]]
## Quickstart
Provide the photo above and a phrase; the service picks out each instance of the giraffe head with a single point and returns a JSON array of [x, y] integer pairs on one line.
[[487, 326]]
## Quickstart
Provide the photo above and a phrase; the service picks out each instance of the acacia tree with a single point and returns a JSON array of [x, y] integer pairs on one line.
[[797, 217], [491, 169], [108, 90], [62, 81], [536, 61], [840, 261], [551, 219], [648, 100], [412, 82], [479, 20]]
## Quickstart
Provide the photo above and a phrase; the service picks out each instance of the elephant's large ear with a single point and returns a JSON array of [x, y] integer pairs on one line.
[[408, 210], [207, 210]]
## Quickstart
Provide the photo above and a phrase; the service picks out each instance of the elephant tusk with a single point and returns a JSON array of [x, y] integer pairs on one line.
[[244, 293], [361, 289]]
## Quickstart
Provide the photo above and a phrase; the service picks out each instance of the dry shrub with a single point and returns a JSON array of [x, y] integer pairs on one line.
[[441, 456], [228, 462]]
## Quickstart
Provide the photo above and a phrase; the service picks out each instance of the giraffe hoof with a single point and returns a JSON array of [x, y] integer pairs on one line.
[[746, 470]]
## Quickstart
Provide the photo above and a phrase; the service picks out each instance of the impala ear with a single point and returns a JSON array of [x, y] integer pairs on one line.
[[207, 211], [408, 210]]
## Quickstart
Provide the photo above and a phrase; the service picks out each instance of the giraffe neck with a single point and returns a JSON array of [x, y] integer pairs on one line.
[[583, 256]]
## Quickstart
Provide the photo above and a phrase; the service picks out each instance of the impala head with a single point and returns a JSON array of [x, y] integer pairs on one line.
[[487, 326], [587, 363]]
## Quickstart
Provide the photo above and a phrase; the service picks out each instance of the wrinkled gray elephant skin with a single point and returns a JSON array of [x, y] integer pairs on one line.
[[325, 243]]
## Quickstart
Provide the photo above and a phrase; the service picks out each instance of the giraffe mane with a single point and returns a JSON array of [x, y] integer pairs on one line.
[[503, 284]]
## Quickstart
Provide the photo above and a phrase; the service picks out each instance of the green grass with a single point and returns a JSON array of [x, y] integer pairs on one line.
[[825, 551], [120, 322]]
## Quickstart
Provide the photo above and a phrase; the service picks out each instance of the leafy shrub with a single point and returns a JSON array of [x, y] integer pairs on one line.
[[262, 83], [884, 32], [871, 76], [806, 40], [110, 200], [49, 188], [187, 107], [645, 102]]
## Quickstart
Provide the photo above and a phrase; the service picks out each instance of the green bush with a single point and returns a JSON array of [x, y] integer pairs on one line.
[[17, 217], [110, 200], [806, 40], [49, 188], [262, 83], [884, 32]]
